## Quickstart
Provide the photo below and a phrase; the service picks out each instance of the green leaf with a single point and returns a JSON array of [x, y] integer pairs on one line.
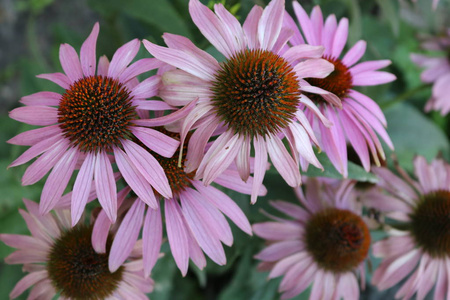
[[414, 134]]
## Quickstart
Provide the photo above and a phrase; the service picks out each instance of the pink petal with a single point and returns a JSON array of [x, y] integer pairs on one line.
[[291, 210], [233, 26], [202, 230], [147, 88], [231, 180], [303, 144], [42, 99], [57, 180], [313, 68], [58, 78], [279, 250], [70, 62], [243, 160], [122, 58], [82, 188], [340, 38], [87, 52], [369, 66], [156, 141], [177, 235], [103, 66], [105, 185], [278, 231], [195, 252], [368, 103], [139, 67], [305, 23], [26, 282], [373, 78], [328, 32], [152, 236], [282, 161], [289, 22], [260, 166], [149, 167], [35, 115], [126, 236], [215, 30], [225, 204], [299, 52], [34, 136], [135, 180], [269, 25], [354, 54], [35, 150], [250, 27]]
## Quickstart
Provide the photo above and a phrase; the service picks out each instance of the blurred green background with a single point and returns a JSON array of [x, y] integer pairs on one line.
[[32, 30]]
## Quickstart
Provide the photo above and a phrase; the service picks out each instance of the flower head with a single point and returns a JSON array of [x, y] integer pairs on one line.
[[356, 118], [252, 98], [418, 245], [194, 218], [102, 114], [61, 260], [324, 242], [437, 71]]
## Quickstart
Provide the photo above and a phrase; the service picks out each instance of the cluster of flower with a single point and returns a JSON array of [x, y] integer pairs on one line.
[[139, 146]]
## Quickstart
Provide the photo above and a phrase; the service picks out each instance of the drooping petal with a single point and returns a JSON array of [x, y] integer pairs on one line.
[[156, 141], [152, 237], [82, 188], [105, 185]]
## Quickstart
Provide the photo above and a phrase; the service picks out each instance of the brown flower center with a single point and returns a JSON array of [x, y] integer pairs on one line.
[[256, 92], [337, 239], [77, 271], [339, 82], [431, 223], [95, 113]]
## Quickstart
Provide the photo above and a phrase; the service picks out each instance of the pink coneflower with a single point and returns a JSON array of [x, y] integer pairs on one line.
[[100, 115], [324, 242], [437, 72], [418, 245], [360, 119], [251, 98], [61, 260], [194, 218]]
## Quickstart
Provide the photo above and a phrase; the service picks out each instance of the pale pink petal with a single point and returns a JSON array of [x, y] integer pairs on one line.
[[373, 78], [88, 54], [305, 23], [304, 280], [393, 246], [46, 223], [354, 54], [289, 22], [195, 252], [231, 180], [232, 26], [26, 282], [26, 257], [82, 187], [35, 150], [44, 163], [216, 31], [149, 167], [340, 38], [24, 242], [441, 284], [147, 88], [225, 204], [192, 64], [139, 67], [152, 237], [368, 103], [303, 144], [297, 274], [314, 109], [279, 250], [105, 185], [34, 136], [269, 26], [42, 98], [103, 66], [126, 236], [278, 231], [243, 160], [369, 66], [317, 24], [58, 78], [292, 210], [260, 166], [177, 235], [156, 141], [122, 58], [202, 230], [282, 266], [135, 180], [313, 68], [283, 161], [43, 290], [299, 52], [328, 34], [152, 105], [57, 180], [35, 115], [250, 27], [70, 62], [348, 286]]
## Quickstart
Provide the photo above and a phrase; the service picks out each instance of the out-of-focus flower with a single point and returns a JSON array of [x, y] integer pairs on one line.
[[194, 217], [324, 242], [254, 97], [101, 114], [437, 71], [418, 246], [357, 119], [61, 260]]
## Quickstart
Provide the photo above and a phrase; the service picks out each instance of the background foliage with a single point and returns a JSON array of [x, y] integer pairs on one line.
[[32, 30]]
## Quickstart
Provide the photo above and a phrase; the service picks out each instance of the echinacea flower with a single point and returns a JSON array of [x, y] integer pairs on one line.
[[359, 119], [437, 71], [101, 114], [251, 98], [323, 243], [60, 260], [418, 245], [194, 218]]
